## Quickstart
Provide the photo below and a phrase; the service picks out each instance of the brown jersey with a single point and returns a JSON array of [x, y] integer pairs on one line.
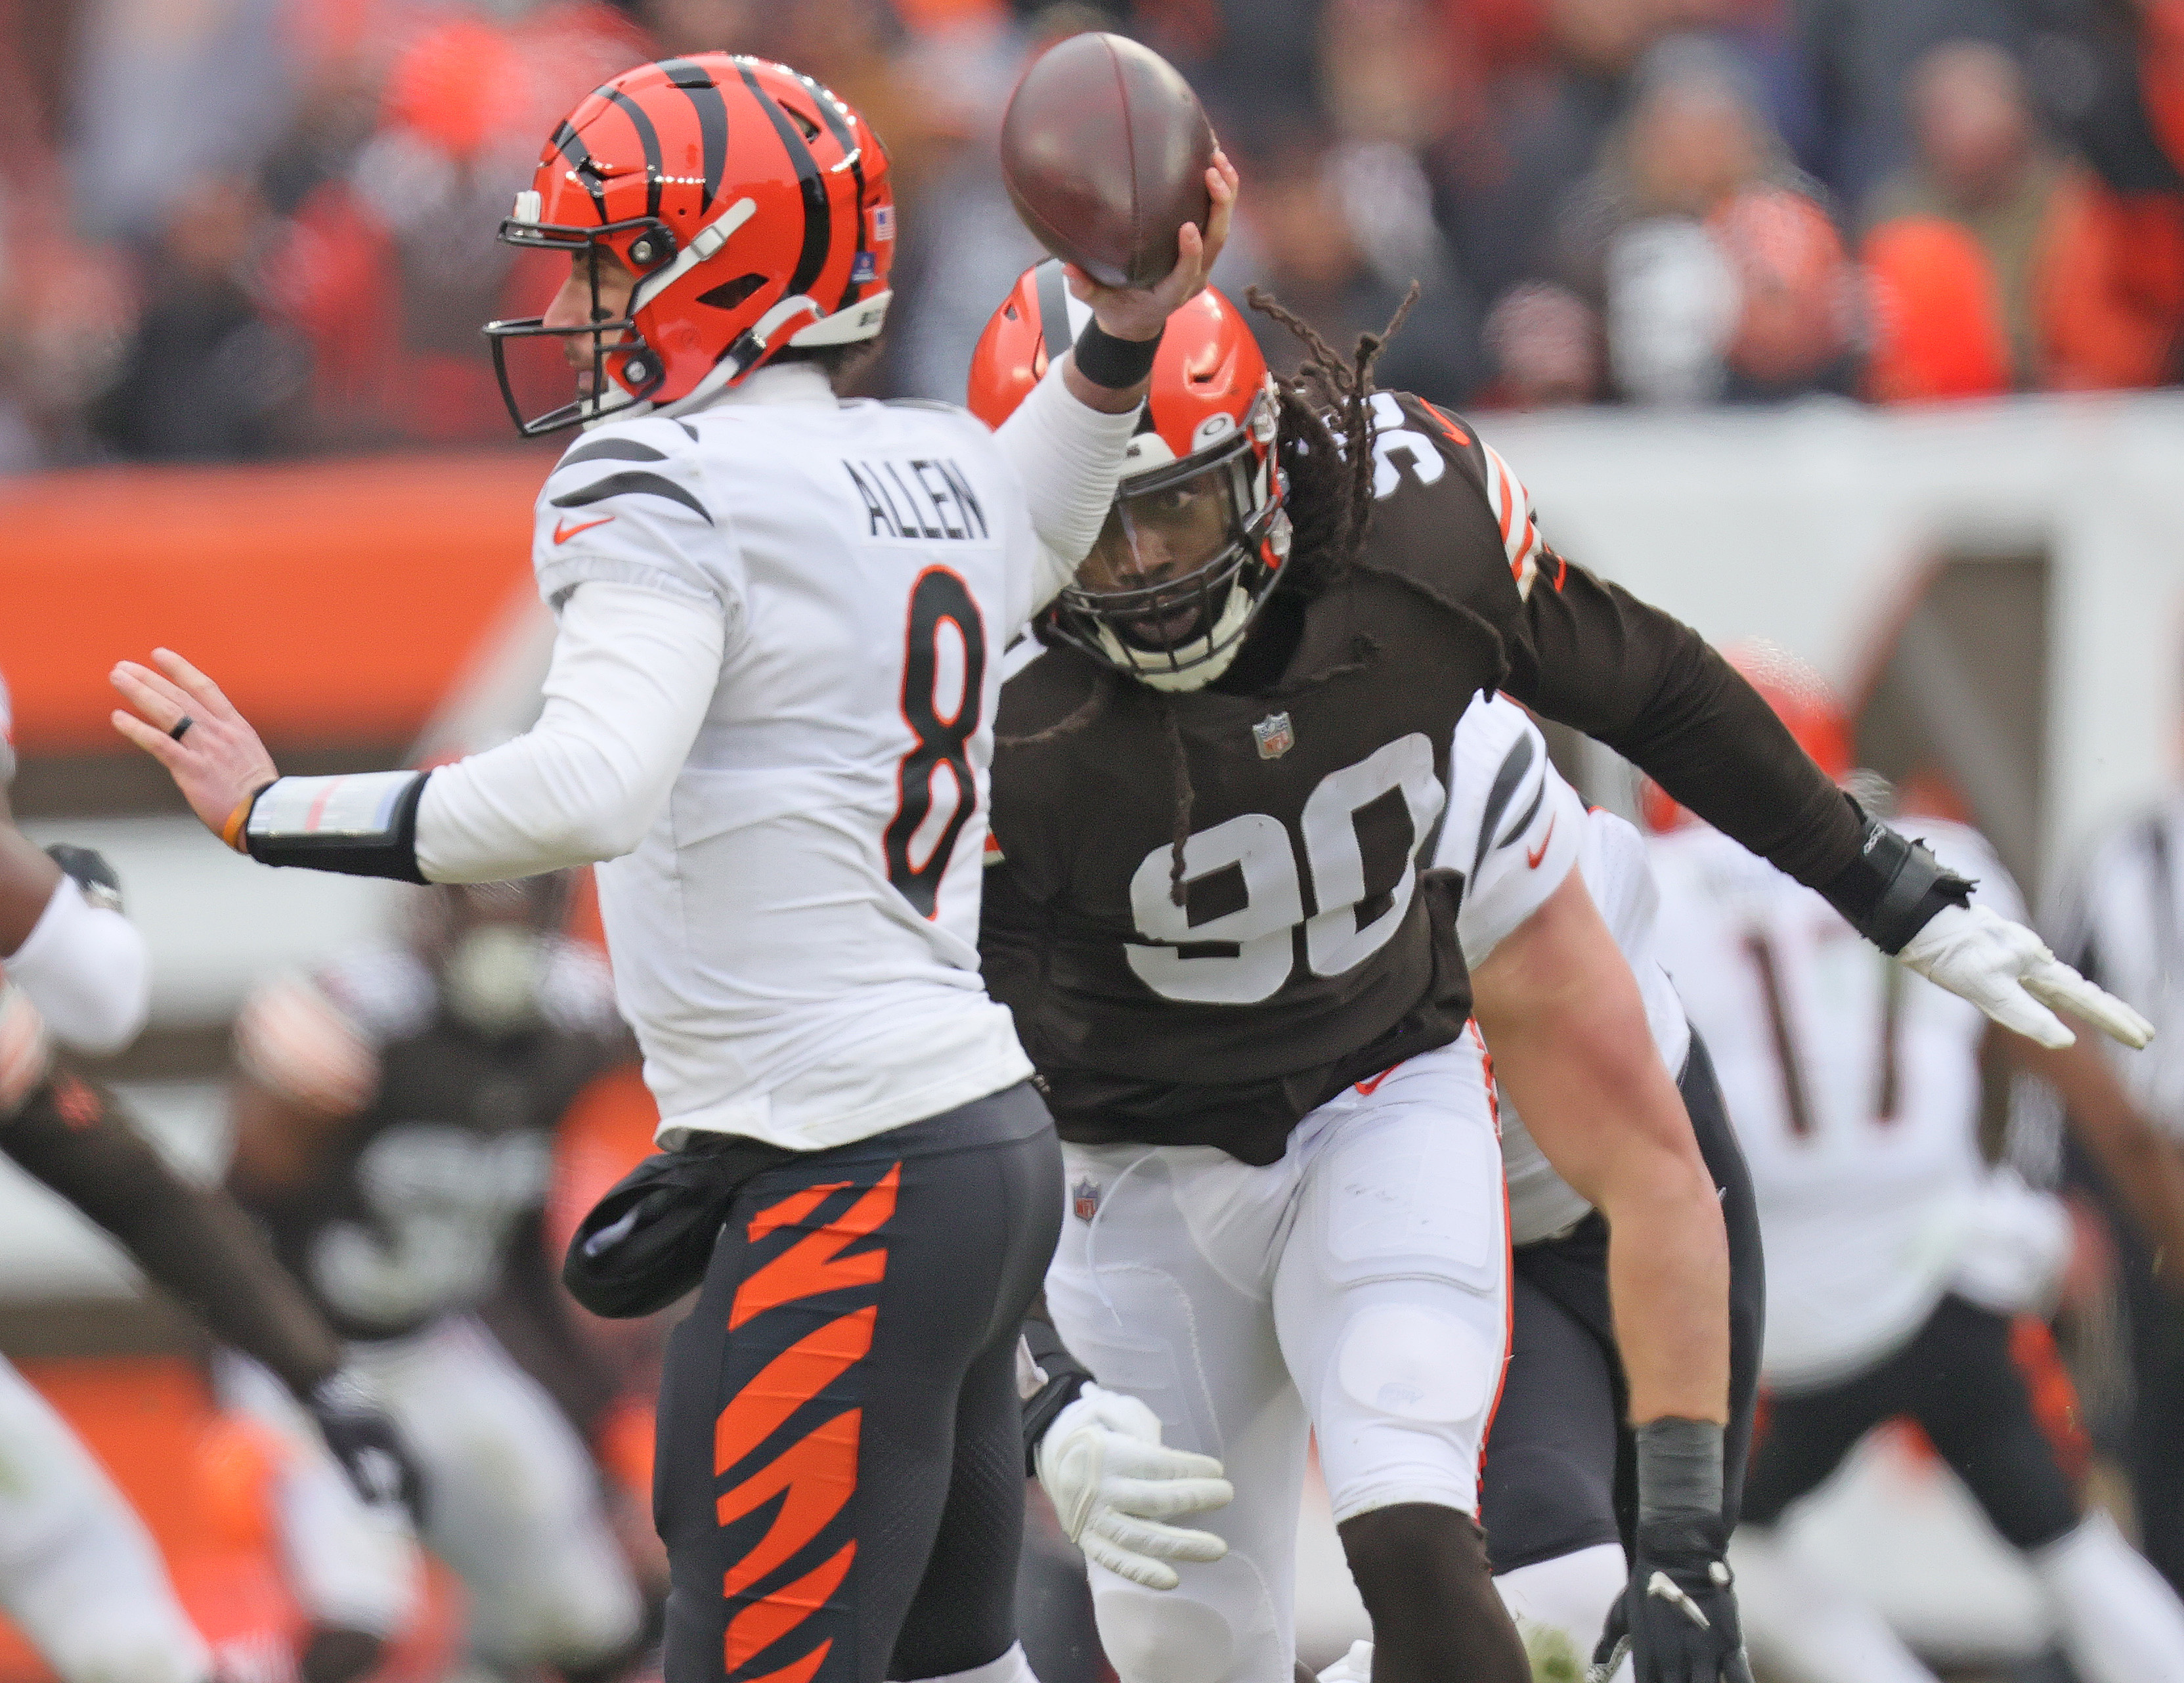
[[409, 1210], [1303, 955], [1307, 952]]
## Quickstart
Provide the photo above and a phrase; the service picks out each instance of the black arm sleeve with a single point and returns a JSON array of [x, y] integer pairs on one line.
[[1604, 663], [1653, 689], [1059, 1379], [193, 1241]]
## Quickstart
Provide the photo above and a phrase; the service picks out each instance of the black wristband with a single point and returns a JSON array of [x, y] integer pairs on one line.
[[1678, 1469], [1894, 887], [360, 826], [1060, 1377], [1116, 363]]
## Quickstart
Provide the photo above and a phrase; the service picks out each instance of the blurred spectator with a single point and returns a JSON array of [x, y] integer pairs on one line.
[[2111, 79], [168, 93], [392, 264], [1718, 273], [1557, 87], [1544, 343], [1858, 55], [1997, 265], [1247, 58], [1307, 207], [208, 376], [1956, 239]]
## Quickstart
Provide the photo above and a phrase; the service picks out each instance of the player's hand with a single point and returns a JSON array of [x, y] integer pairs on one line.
[[219, 763], [367, 1444], [1140, 312], [1677, 1620], [2007, 970], [1113, 1486]]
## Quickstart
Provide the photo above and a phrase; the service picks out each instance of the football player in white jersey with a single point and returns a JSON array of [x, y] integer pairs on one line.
[[79, 1574], [770, 706], [1900, 1266], [2120, 919]]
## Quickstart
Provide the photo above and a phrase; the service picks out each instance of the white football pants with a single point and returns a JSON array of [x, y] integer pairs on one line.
[[79, 1574], [512, 1504], [1358, 1287]]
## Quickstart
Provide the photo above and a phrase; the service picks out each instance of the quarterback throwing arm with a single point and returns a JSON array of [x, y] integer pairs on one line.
[[1586, 652]]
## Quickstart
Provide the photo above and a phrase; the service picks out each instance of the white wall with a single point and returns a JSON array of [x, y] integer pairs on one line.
[[1815, 525]]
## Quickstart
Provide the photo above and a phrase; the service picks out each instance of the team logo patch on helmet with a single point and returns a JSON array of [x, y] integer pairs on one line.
[[1274, 736], [1084, 1199]]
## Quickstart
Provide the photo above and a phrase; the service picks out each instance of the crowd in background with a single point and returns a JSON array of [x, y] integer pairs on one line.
[[237, 229]]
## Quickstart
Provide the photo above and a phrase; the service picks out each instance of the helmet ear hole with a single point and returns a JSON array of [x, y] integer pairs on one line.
[[730, 293]]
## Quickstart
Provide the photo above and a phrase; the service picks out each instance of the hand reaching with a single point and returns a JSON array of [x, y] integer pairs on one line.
[[213, 754]]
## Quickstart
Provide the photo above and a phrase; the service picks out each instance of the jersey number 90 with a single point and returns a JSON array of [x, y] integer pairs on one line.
[[938, 599], [1254, 947]]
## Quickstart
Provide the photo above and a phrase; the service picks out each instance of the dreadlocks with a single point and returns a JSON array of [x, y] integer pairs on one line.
[[1330, 508], [1331, 476]]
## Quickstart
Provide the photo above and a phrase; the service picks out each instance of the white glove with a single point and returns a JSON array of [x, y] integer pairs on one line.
[[2007, 970], [2015, 1249], [1354, 1667], [1112, 1484]]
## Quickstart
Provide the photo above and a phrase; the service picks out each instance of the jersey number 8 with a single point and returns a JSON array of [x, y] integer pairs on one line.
[[1254, 953], [939, 598]]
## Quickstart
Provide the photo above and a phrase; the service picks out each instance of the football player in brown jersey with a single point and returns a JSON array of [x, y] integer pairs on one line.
[[73, 970], [1213, 792], [395, 1113]]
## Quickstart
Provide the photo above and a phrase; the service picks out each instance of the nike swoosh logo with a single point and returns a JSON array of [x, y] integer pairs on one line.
[[563, 531], [1532, 859]]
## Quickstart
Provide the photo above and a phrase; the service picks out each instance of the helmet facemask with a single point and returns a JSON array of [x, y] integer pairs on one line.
[[1187, 558], [624, 372]]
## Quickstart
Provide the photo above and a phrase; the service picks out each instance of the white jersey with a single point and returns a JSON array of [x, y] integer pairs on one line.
[[795, 940], [1854, 1086], [2121, 924], [1516, 830]]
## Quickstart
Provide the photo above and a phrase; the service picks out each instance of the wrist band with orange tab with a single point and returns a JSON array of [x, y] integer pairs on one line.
[[231, 831], [363, 824]]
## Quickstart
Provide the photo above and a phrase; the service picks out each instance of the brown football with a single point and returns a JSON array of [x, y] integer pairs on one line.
[[1104, 151]]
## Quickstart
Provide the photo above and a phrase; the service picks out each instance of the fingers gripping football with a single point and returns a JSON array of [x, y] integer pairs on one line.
[[1114, 1484], [1140, 312], [2007, 970]]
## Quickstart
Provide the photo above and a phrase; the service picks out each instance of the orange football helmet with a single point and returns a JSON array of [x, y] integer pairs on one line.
[[1197, 536], [751, 203], [1801, 698]]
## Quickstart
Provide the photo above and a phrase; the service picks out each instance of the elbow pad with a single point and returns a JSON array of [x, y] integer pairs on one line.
[[85, 969], [1894, 887]]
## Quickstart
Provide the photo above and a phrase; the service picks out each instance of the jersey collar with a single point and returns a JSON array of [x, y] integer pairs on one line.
[[790, 382]]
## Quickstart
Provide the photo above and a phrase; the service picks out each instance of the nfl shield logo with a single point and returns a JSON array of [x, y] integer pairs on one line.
[[1273, 735], [1084, 1199]]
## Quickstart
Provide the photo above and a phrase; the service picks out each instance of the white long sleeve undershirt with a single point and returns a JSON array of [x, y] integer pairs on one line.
[[1068, 456], [633, 672]]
